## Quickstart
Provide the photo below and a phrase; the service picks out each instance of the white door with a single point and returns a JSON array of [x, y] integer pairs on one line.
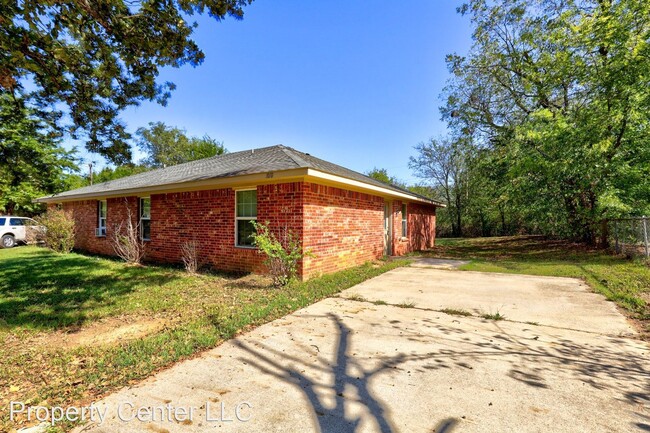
[[388, 229], [17, 227]]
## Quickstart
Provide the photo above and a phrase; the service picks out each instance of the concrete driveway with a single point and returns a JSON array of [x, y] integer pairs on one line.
[[565, 303], [352, 366]]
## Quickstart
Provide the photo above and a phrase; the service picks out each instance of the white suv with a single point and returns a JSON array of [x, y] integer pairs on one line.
[[18, 229]]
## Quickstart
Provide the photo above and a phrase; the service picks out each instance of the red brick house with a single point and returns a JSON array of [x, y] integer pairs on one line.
[[345, 218]]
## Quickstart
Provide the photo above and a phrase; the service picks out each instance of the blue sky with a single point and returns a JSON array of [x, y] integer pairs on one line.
[[357, 83]]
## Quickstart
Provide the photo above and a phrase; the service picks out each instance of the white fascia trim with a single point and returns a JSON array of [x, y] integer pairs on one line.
[[365, 186]]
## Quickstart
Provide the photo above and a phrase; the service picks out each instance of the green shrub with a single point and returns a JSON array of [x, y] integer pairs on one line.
[[59, 230], [282, 252]]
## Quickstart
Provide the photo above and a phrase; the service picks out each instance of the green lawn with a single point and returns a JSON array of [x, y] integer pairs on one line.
[[624, 281], [45, 295]]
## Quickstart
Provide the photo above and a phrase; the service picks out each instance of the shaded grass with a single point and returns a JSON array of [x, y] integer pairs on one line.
[[208, 310], [41, 290], [624, 281]]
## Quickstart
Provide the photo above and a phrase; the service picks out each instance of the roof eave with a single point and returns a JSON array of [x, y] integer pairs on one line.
[[356, 184], [196, 185], [243, 181]]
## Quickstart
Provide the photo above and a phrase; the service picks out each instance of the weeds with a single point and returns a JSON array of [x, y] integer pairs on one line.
[[126, 240], [190, 256], [406, 304], [456, 312], [493, 316]]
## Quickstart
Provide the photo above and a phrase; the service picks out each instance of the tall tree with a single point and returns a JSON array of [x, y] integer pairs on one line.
[[111, 173], [381, 174], [442, 163], [97, 58], [560, 91], [169, 145], [32, 162]]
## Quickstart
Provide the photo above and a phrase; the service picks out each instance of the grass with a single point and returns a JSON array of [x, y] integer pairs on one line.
[[493, 316], [409, 304], [623, 281], [456, 312], [43, 295]]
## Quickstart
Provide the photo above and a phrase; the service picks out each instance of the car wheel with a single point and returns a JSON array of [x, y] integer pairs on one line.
[[8, 241]]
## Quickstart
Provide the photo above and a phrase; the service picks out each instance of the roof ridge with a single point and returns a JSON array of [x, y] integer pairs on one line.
[[291, 153]]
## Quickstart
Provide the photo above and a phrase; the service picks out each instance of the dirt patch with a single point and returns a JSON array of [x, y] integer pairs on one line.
[[109, 331]]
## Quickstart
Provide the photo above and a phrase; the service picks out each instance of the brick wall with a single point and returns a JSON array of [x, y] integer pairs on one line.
[[342, 228], [208, 217], [85, 214], [421, 226]]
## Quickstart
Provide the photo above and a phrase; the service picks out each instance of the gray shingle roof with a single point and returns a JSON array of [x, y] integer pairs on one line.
[[274, 158]]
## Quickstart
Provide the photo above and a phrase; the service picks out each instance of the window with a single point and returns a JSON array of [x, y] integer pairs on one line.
[[145, 219], [101, 218], [3, 221], [245, 213], [16, 222], [404, 226]]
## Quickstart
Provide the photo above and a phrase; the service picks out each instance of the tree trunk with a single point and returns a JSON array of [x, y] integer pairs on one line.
[[604, 234]]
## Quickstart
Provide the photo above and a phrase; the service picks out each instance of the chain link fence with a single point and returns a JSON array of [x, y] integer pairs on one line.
[[629, 236]]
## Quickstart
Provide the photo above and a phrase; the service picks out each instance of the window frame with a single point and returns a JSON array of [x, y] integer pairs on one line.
[[405, 231], [144, 218], [101, 219], [245, 218]]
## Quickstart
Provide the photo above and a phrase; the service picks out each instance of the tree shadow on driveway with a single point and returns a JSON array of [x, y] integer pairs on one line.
[[543, 360], [339, 418]]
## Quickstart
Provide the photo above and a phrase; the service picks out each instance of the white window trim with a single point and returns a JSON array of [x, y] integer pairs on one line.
[[405, 220], [250, 247], [101, 221], [144, 219]]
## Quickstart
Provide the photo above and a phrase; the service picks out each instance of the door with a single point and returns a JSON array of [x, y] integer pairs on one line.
[[388, 229], [17, 227]]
